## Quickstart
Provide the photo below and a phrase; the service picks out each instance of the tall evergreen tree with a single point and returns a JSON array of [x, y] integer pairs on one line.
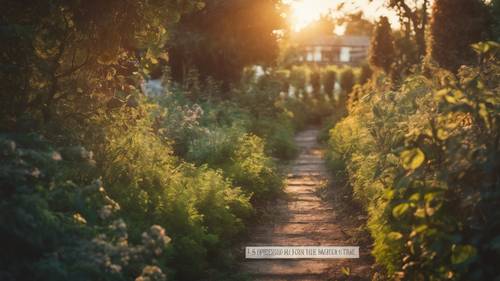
[[329, 79], [382, 46], [455, 25]]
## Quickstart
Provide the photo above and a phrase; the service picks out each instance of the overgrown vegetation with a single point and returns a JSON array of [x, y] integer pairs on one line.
[[423, 160], [421, 156], [102, 178], [102, 182]]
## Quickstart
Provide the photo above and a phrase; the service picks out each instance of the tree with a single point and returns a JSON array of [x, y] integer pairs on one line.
[[366, 74], [495, 15], [414, 19], [356, 24], [347, 84], [455, 25], [64, 61], [315, 80], [298, 80], [382, 46], [323, 26], [329, 79], [224, 37], [347, 80]]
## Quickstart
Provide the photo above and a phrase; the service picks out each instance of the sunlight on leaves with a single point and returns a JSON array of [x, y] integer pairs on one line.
[[412, 158]]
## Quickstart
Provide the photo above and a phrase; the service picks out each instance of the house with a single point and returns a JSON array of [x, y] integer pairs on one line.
[[333, 49]]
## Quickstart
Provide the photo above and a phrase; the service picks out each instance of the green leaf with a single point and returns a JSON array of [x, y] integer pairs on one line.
[[485, 47], [462, 253], [395, 235], [412, 158], [400, 210], [419, 229]]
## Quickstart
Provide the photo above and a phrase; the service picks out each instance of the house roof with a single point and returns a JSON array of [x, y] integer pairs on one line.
[[334, 40]]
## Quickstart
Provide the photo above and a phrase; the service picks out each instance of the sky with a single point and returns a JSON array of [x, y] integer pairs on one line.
[[306, 11]]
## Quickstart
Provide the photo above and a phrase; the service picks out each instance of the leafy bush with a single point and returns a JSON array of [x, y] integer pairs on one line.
[[74, 76], [454, 27], [423, 160], [347, 80], [53, 228], [201, 211], [366, 74], [329, 79], [315, 78], [298, 79]]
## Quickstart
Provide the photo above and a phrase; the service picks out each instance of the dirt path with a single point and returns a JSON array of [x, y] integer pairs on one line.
[[304, 218]]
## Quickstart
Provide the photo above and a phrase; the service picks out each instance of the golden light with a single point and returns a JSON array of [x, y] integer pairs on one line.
[[303, 12], [306, 11]]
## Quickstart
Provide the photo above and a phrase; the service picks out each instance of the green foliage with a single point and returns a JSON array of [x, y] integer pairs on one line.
[[55, 228], [71, 71], [283, 76], [366, 74], [356, 24], [347, 80], [414, 20], [63, 61], [329, 79], [203, 39], [454, 27], [422, 157], [315, 79], [199, 207], [382, 46], [495, 16], [299, 79]]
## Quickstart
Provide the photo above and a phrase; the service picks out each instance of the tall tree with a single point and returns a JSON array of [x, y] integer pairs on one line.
[[414, 18], [456, 24], [329, 79], [382, 46], [67, 60], [495, 16], [356, 24], [323, 26], [224, 37]]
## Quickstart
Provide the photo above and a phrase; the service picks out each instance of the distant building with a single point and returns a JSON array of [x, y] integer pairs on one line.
[[352, 50]]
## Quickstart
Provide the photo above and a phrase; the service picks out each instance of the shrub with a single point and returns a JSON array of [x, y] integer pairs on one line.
[[454, 27], [298, 79], [347, 80], [55, 228], [420, 159], [366, 74], [329, 79], [382, 46], [199, 208], [347, 84], [283, 76], [242, 159], [315, 79]]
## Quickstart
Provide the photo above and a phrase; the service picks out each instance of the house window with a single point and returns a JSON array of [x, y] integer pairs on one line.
[[345, 54], [317, 54], [310, 56]]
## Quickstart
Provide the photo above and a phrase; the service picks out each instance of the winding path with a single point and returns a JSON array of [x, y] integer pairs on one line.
[[304, 218]]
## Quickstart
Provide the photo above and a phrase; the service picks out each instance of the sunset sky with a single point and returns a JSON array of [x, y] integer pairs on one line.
[[306, 11]]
